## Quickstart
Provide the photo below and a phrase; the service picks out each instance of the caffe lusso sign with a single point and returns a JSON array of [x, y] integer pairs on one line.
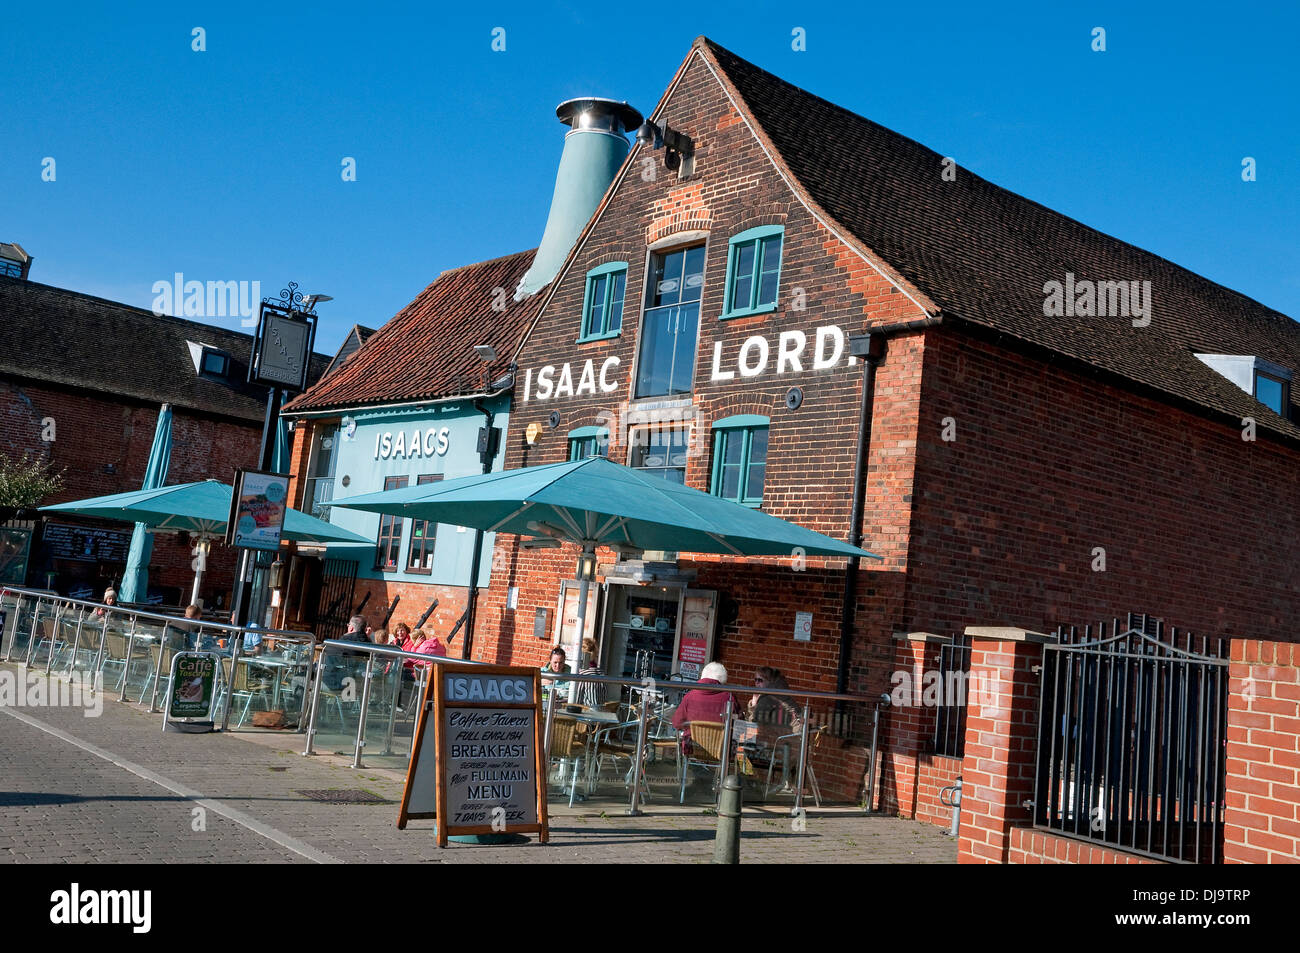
[[789, 352]]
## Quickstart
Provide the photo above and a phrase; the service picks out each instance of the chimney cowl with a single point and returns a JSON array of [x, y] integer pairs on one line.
[[594, 149], [595, 114]]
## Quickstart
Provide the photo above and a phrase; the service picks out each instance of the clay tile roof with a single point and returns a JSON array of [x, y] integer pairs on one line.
[[425, 352], [983, 254], [76, 340]]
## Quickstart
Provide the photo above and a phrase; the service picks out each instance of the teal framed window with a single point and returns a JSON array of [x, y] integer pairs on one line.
[[671, 325], [602, 304], [588, 442], [753, 271], [740, 458]]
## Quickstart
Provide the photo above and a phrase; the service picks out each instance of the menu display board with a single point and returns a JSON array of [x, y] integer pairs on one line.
[[257, 509], [477, 763], [86, 544], [193, 685]]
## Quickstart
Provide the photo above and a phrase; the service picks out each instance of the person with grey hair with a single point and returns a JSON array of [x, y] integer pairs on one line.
[[703, 704], [338, 664]]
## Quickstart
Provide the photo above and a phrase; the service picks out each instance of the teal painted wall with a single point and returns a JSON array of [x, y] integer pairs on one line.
[[366, 472]]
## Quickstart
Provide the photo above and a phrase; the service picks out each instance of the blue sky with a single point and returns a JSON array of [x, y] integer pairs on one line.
[[225, 164]]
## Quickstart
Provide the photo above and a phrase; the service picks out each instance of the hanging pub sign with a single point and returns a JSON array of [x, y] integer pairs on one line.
[[192, 690], [257, 508], [286, 330], [477, 763]]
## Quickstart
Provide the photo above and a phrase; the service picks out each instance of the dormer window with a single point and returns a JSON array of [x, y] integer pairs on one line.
[[1268, 383], [1271, 391], [214, 363]]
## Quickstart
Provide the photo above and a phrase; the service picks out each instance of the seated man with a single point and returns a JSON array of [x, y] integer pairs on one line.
[[337, 665]]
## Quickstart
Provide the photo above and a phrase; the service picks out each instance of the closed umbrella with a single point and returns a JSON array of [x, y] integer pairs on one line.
[[135, 577]]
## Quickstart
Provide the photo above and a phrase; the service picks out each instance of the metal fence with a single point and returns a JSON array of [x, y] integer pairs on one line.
[[1131, 739], [128, 651], [366, 702], [950, 716]]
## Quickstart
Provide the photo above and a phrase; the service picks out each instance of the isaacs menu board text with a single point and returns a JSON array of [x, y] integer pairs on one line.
[[488, 776]]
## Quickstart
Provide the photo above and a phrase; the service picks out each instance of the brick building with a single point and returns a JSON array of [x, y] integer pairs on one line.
[[1062, 426], [82, 380]]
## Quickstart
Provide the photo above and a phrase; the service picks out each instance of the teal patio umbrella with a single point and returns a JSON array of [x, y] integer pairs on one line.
[[135, 577], [593, 503], [200, 508]]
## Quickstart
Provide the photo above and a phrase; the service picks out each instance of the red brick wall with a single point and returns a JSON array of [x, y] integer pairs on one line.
[[93, 432], [1049, 464], [1262, 824], [1028, 846]]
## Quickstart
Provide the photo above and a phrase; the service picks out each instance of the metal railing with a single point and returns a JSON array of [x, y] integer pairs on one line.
[[343, 663], [652, 701], [1131, 740], [369, 677], [79, 638], [950, 716]]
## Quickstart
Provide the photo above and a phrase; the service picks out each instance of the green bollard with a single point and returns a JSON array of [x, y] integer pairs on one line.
[[726, 846]]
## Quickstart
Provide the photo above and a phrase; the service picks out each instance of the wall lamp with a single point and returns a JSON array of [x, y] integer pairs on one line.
[[679, 154]]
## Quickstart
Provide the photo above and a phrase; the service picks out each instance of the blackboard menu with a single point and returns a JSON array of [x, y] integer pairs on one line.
[[87, 545]]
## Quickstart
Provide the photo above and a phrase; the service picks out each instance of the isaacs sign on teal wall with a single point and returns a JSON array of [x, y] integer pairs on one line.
[[438, 441]]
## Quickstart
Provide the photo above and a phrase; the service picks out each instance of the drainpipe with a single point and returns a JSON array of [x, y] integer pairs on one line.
[[871, 348], [486, 454]]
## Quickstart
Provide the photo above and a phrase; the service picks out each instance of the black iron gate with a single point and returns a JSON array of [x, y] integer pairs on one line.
[[1131, 740], [338, 583]]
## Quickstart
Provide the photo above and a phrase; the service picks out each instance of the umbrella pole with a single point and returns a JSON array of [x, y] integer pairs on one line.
[[584, 588]]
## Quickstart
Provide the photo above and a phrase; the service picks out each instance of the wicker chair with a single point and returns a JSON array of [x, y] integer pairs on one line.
[[708, 747], [567, 748]]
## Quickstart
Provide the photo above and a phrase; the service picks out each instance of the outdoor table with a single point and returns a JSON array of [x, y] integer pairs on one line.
[[277, 664]]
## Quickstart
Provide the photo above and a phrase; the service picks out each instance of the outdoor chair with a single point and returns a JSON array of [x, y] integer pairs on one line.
[[243, 687], [568, 750], [708, 747], [810, 776], [609, 743]]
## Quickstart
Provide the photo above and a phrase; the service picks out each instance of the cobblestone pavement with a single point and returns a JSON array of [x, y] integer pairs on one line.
[[115, 788]]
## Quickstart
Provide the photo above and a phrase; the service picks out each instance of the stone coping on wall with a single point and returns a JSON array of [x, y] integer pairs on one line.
[[921, 637], [1007, 634]]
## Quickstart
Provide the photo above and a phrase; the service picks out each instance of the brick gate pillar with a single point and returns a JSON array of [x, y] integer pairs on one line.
[[1262, 820], [1001, 740]]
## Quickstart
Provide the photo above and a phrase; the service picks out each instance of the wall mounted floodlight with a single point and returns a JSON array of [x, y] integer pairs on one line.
[[486, 352], [679, 148], [312, 300]]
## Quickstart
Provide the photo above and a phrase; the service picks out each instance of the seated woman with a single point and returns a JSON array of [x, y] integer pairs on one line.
[[110, 599], [423, 644], [775, 715]]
